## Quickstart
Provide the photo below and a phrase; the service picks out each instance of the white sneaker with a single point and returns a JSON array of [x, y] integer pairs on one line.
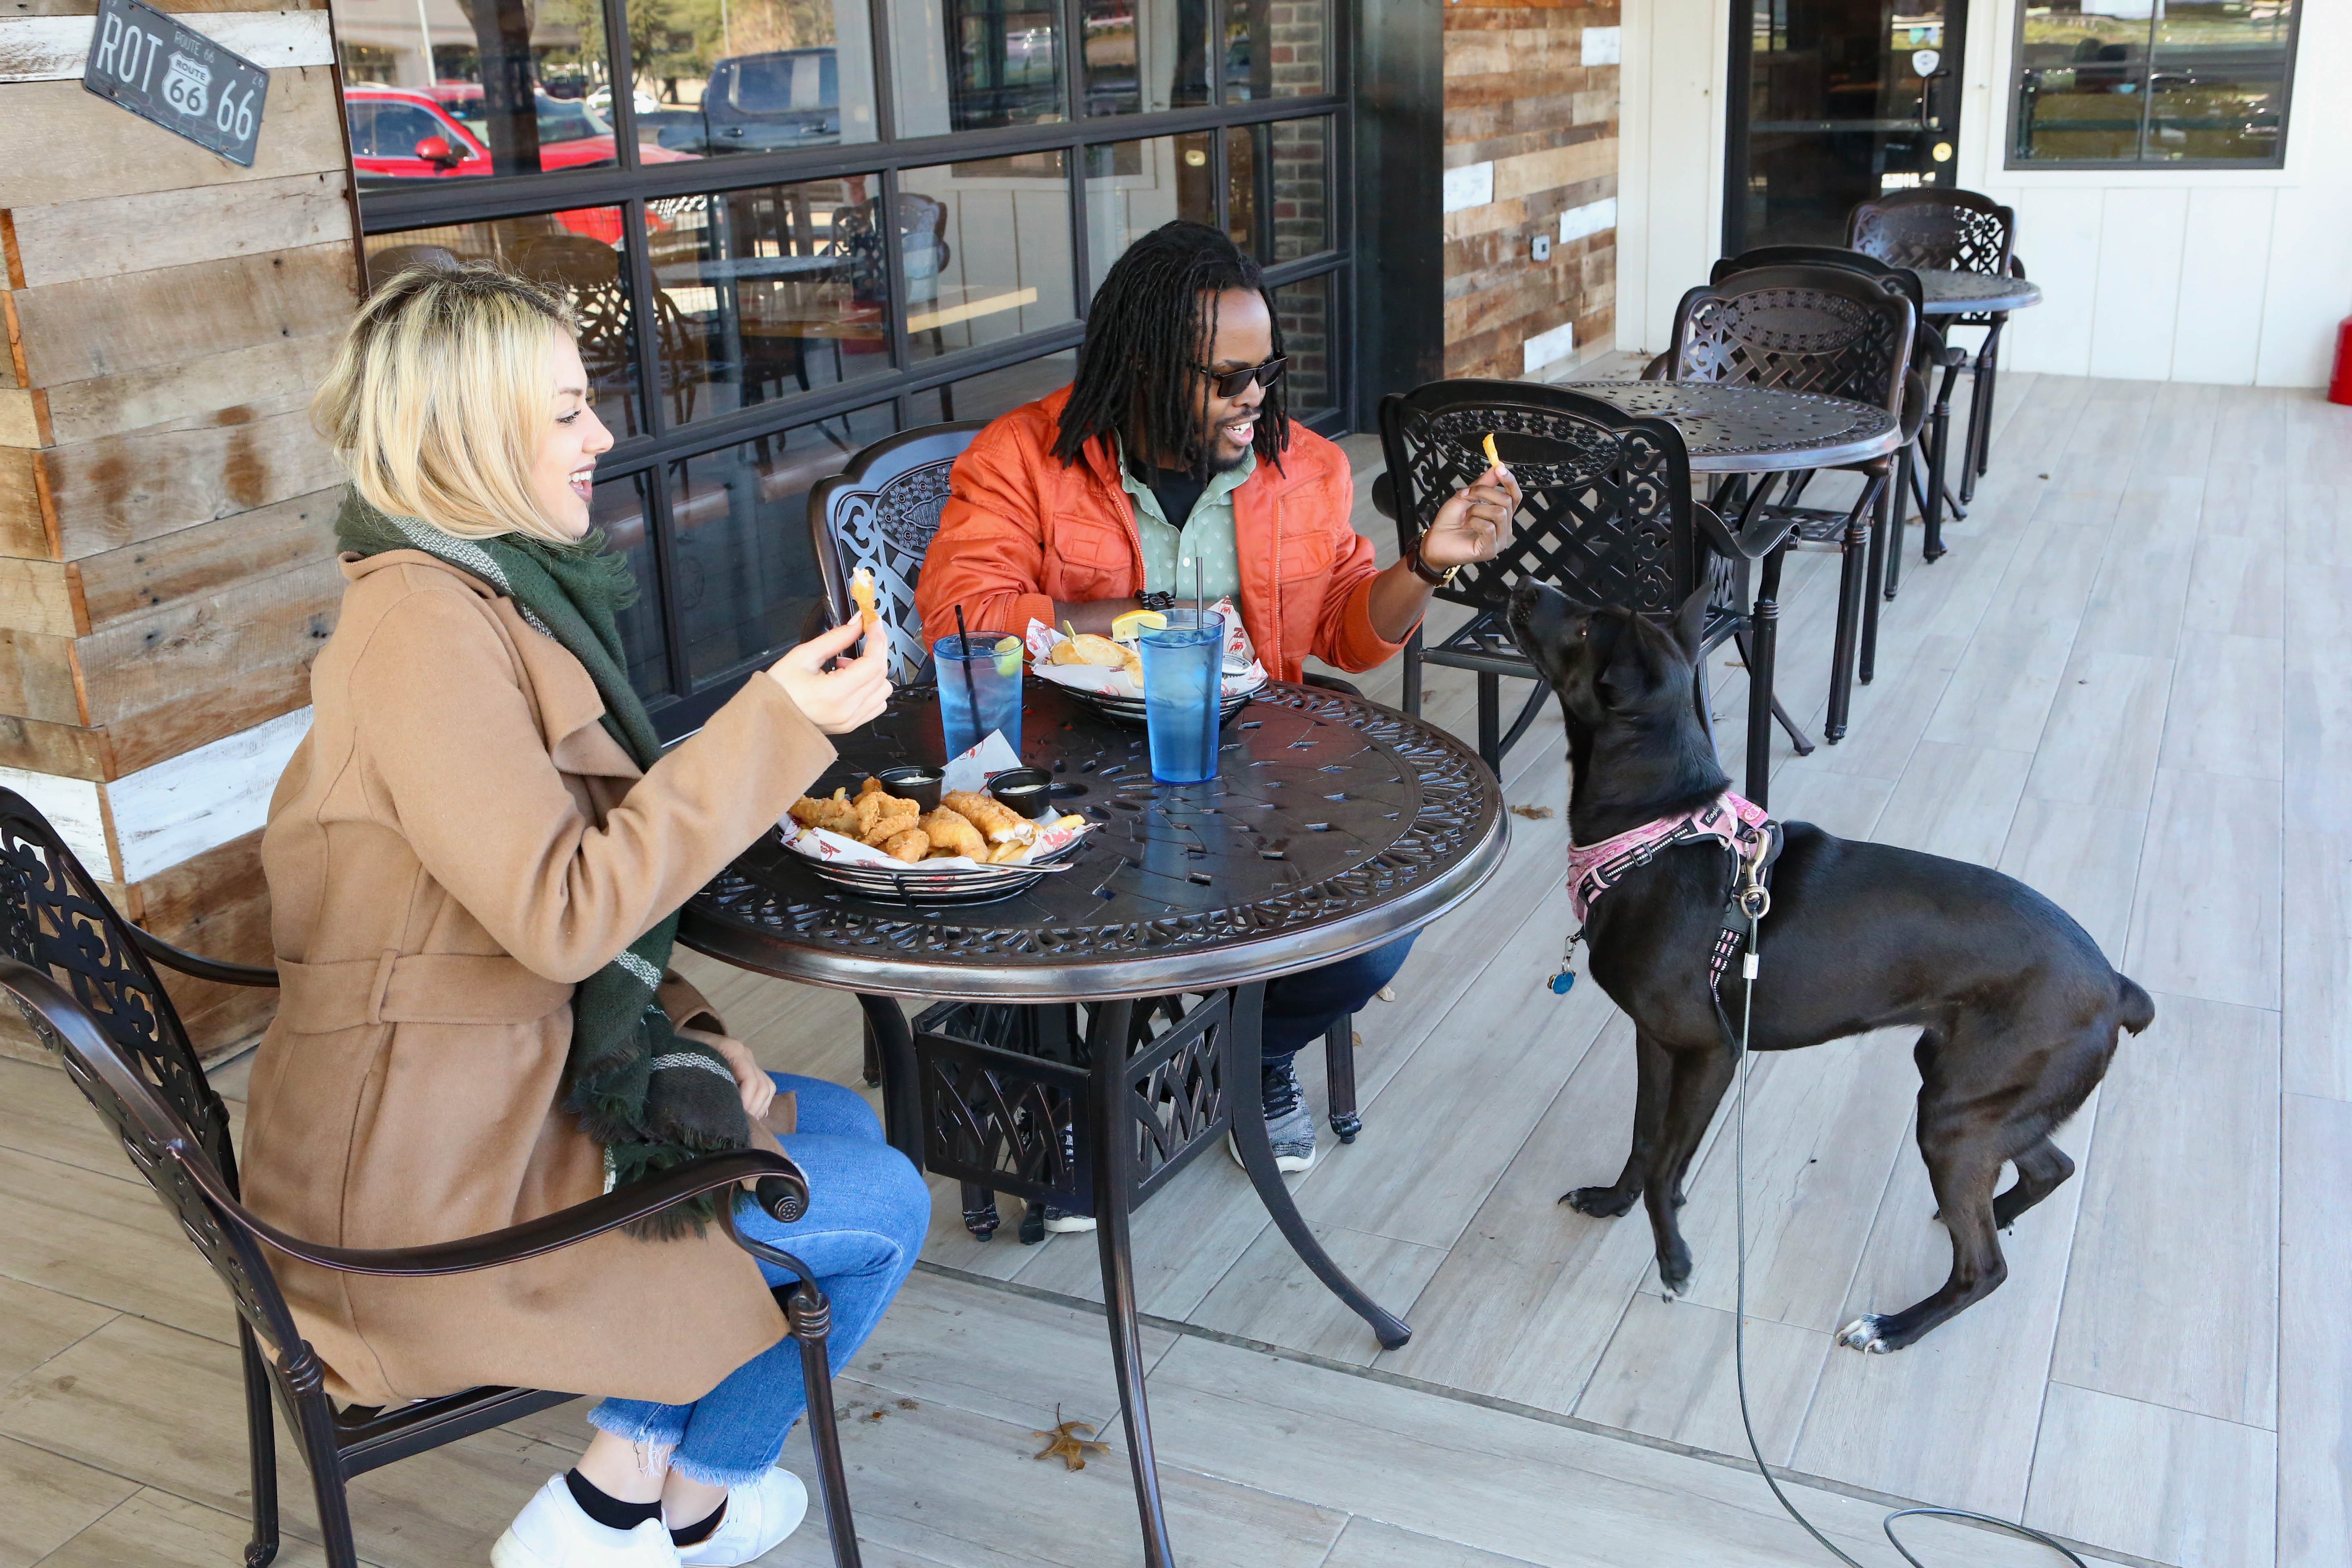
[[758, 1517], [553, 1532]]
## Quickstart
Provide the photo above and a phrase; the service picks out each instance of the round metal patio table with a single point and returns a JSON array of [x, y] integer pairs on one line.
[[1945, 293], [1334, 826], [1731, 429]]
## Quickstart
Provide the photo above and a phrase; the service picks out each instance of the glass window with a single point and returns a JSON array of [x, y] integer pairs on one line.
[[998, 391], [767, 291], [2153, 81], [746, 578], [986, 247], [489, 87], [1276, 48], [752, 75], [1303, 311], [968, 64], [578, 252], [622, 508], [1276, 177], [1133, 187], [1142, 55]]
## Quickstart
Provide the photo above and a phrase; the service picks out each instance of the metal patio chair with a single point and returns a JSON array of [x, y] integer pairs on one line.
[[1607, 517], [1919, 468], [1819, 329], [84, 981], [1933, 229]]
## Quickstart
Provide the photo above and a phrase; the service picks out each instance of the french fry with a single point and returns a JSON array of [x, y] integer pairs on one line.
[[1493, 461], [861, 594], [1009, 854]]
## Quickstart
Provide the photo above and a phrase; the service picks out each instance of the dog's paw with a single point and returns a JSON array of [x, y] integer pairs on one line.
[[1675, 1271], [1600, 1203], [1863, 1334]]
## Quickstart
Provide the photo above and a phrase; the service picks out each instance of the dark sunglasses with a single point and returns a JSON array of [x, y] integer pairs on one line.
[[1230, 382]]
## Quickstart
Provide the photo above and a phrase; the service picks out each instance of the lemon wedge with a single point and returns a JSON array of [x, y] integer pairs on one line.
[[1008, 656], [1135, 623]]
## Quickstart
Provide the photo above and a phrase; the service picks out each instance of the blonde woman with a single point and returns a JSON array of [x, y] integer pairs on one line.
[[475, 862]]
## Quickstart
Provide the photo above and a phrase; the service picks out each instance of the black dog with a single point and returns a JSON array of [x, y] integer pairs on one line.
[[2017, 1006]]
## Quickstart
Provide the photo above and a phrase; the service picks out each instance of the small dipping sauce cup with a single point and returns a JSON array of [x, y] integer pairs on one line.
[[1024, 791], [918, 784]]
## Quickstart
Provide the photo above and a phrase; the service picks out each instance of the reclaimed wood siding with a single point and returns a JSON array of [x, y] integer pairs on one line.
[[166, 554], [1530, 149]]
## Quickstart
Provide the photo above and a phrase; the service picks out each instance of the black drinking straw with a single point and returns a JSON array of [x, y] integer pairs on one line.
[[963, 644]]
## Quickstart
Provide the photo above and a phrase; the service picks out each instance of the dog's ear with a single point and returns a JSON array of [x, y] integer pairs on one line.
[[1690, 622]]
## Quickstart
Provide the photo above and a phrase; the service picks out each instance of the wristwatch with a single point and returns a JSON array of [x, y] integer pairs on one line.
[[1162, 602], [1421, 570]]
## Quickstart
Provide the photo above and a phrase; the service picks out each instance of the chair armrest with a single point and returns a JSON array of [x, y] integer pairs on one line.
[[2016, 267], [1772, 533], [1330, 683], [533, 1239], [214, 969], [1658, 368], [1385, 495], [1934, 350]]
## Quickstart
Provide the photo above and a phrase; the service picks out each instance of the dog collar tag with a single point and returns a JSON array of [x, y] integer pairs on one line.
[[1561, 983], [1564, 983]]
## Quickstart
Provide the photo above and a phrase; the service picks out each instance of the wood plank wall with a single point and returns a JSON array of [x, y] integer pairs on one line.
[[166, 570], [1530, 149]]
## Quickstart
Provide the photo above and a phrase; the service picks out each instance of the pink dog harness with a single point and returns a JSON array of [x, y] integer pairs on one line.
[[1731, 820]]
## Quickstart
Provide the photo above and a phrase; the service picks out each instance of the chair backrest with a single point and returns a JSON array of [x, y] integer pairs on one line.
[[54, 919], [1606, 511], [1894, 279], [1935, 229], [1797, 328], [880, 512]]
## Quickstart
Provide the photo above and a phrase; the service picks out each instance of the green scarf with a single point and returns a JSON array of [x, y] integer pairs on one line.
[[653, 1099]]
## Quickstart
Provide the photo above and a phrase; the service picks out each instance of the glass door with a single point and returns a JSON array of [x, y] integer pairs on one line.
[[1831, 102]]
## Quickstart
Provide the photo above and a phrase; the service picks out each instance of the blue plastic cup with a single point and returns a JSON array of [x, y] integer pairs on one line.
[[979, 690], [1183, 667]]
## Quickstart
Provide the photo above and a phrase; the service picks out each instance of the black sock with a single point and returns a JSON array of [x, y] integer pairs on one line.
[[696, 1535], [605, 1510]]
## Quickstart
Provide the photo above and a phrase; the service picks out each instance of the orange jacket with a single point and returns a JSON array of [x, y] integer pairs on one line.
[[1019, 532]]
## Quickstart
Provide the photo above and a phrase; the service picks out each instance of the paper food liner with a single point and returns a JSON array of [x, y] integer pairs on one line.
[[971, 771], [1242, 672]]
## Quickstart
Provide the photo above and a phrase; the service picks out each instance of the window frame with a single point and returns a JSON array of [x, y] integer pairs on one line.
[[630, 185], [2011, 161]]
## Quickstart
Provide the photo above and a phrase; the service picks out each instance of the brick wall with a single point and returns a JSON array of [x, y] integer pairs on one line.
[[1530, 149]]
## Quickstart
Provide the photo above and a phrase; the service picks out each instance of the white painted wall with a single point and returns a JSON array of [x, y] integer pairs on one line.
[[2225, 276]]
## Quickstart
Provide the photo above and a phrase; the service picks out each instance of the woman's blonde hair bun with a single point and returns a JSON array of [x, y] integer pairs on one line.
[[437, 394]]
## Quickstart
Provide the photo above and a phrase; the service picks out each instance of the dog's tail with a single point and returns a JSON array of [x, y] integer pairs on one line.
[[2138, 1011]]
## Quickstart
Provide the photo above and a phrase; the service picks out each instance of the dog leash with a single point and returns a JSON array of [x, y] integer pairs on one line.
[[1751, 901]]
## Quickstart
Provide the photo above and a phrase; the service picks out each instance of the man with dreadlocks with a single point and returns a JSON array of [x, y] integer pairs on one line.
[[1171, 459]]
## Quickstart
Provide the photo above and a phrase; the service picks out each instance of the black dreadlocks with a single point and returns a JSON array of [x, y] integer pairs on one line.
[[1152, 321]]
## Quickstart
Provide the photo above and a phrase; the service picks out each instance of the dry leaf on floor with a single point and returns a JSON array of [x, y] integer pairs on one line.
[[1533, 813], [1063, 1442]]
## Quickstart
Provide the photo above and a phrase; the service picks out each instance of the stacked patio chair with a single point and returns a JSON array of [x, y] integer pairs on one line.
[[1607, 517], [1822, 330], [83, 980], [1919, 468], [880, 512], [1931, 229]]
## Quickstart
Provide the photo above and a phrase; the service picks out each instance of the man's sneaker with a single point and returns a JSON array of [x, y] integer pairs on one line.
[[759, 1517], [1289, 1125], [553, 1532]]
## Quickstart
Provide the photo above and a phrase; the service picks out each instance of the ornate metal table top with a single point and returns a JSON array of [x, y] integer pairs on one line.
[[1967, 294], [1334, 826], [1732, 429]]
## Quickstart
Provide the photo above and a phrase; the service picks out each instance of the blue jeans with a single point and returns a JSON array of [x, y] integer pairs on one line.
[[869, 1212], [1301, 1008]]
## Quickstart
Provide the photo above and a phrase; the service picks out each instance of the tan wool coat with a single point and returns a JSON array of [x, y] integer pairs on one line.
[[456, 844]]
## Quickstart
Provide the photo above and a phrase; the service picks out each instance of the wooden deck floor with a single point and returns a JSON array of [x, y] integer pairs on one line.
[[2115, 688]]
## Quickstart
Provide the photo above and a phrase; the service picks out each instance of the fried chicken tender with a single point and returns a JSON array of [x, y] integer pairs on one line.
[[991, 816], [861, 594], [835, 816], [909, 845], [951, 833], [888, 828]]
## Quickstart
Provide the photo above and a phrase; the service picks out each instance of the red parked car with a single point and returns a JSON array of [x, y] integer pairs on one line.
[[408, 134]]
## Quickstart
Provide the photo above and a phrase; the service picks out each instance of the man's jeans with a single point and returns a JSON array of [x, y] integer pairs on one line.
[[869, 1212], [1301, 1008]]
